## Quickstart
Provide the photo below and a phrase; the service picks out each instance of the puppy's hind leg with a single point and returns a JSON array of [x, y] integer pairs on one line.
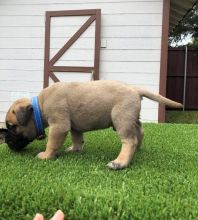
[[128, 149], [56, 138], [125, 122], [77, 142], [140, 133]]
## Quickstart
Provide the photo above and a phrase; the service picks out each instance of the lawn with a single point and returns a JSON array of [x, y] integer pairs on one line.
[[161, 183], [182, 117]]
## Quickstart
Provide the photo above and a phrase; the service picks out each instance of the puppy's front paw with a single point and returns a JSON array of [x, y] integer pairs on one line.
[[44, 155], [73, 149], [115, 165]]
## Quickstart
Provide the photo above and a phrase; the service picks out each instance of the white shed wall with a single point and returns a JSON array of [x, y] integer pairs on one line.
[[130, 32]]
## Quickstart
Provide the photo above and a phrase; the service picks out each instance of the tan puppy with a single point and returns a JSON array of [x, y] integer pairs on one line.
[[81, 107]]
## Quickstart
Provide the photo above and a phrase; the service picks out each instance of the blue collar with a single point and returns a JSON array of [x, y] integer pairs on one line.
[[37, 117]]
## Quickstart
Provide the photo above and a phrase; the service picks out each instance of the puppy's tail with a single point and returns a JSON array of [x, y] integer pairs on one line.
[[158, 98]]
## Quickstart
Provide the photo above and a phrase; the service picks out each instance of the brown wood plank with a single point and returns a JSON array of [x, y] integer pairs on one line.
[[53, 77], [192, 67], [174, 89], [176, 62], [72, 12], [47, 46], [97, 46], [81, 69], [164, 57], [191, 94]]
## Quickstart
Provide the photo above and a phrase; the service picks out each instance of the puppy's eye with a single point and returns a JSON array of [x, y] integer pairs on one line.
[[13, 112], [10, 125]]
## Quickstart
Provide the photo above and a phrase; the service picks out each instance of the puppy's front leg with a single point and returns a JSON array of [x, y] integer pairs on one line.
[[56, 139]]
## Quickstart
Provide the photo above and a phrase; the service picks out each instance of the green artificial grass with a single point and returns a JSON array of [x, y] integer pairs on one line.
[[182, 117], [161, 183]]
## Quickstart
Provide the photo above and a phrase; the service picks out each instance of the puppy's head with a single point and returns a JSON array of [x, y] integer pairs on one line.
[[20, 125]]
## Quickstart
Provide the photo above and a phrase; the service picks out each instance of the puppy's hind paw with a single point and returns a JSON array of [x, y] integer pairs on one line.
[[44, 156], [73, 149], [115, 166]]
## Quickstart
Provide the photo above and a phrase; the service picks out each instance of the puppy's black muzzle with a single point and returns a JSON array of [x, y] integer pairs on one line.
[[15, 141]]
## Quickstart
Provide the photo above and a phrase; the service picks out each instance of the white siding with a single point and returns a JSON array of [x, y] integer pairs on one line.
[[130, 35]]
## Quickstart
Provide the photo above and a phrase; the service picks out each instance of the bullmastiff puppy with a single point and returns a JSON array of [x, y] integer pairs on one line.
[[81, 107]]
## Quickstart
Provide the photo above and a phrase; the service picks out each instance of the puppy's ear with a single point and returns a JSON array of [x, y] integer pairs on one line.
[[3, 133], [23, 114]]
